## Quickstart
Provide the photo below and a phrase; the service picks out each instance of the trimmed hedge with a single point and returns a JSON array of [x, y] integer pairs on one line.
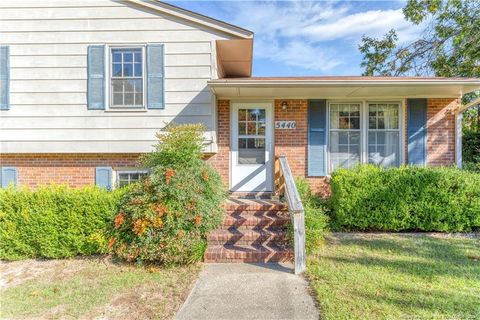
[[55, 221], [406, 198]]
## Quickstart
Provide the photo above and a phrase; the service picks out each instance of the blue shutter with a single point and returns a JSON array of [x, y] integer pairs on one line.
[[9, 176], [417, 131], [4, 77], [317, 146], [96, 77], [103, 177], [155, 77]]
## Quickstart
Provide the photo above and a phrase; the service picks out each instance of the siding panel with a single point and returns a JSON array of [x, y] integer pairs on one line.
[[49, 40]]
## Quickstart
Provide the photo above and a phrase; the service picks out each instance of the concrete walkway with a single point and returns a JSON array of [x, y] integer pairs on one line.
[[249, 291]]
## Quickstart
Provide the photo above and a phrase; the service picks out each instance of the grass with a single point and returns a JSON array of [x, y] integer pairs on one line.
[[379, 276], [92, 288]]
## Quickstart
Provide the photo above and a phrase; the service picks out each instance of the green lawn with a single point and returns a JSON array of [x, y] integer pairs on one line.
[[91, 288], [380, 276]]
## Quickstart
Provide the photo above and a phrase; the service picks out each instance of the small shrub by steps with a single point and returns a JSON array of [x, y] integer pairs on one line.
[[166, 217]]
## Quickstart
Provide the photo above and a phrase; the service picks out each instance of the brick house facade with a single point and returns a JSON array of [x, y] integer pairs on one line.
[[78, 170]]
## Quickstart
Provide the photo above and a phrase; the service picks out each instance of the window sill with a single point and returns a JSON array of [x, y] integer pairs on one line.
[[113, 110]]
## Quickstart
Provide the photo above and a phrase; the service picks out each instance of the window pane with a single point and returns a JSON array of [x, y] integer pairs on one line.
[[138, 99], [138, 69], [118, 99], [138, 56], [116, 56], [117, 85], [251, 151], [261, 129], [383, 116], [242, 115], [242, 128], [385, 152], [344, 149], [117, 70], [127, 56], [251, 128], [354, 123], [138, 85], [128, 70], [128, 99]]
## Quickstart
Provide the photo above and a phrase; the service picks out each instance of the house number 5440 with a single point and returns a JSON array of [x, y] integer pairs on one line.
[[285, 124]]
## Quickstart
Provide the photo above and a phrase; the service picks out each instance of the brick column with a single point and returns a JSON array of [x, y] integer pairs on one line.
[[221, 160], [441, 131]]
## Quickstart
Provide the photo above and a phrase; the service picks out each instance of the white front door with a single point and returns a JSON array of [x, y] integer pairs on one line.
[[251, 147]]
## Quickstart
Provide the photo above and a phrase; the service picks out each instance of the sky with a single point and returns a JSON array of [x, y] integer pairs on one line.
[[300, 38]]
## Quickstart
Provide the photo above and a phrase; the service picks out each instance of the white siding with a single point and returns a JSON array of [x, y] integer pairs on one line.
[[48, 46]]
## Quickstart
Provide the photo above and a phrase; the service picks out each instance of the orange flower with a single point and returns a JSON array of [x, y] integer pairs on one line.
[[119, 219], [180, 234], [198, 220], [157, 222], [160, 209], [140, 226], [111, 243], [168, 175], [190, 205], [205, 175]]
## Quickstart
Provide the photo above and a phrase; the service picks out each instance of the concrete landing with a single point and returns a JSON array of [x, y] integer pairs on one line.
[[249, 291]]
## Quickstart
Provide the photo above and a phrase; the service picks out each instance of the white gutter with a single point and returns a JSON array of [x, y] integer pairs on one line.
[[288, 82]]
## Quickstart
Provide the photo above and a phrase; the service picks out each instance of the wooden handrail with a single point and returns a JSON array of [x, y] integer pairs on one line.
[[297, 214]]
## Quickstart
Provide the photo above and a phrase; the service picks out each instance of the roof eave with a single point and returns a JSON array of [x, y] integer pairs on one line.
[[195, 17]]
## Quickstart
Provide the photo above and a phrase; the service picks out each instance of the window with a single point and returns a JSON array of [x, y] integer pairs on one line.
[[126, 83], [126, 177], [344, 135], [383, 134], [251, 136], [364, 132]]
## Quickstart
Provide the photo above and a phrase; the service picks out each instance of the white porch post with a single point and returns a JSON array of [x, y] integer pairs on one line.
[[458, 138]]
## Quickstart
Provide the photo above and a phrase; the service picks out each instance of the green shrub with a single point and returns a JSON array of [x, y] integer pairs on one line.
[[316, 219], [55, 221], [471, 150], [406, 198], [165, 218]]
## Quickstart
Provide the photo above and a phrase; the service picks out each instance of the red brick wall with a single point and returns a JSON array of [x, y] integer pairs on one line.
[[75, 170], [293, 143], [441, 131], [221, 160]]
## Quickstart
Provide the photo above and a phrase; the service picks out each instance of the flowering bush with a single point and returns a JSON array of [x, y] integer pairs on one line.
[[165, 217]]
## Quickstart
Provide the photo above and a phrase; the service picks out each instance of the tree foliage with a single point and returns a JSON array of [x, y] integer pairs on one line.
[[448, 47]]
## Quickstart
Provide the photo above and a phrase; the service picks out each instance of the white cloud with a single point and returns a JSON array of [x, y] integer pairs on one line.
[[317, 36]]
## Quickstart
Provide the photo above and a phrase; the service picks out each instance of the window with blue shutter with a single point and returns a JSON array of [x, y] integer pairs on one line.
[[417, 131], [4, 77], [155, 77], [8, 176], [103, 177], [317, 146], [96, 77]]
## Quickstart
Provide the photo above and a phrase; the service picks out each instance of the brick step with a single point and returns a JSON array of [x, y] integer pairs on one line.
[[257, 220], [236, 205], [247, 254], [243, 236]]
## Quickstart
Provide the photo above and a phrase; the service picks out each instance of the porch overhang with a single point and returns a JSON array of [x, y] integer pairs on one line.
[[342, 87]]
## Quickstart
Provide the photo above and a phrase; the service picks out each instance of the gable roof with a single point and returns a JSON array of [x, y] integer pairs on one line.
[[195, 17]]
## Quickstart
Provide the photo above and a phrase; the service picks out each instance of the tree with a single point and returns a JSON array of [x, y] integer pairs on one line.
[[448, 47]]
